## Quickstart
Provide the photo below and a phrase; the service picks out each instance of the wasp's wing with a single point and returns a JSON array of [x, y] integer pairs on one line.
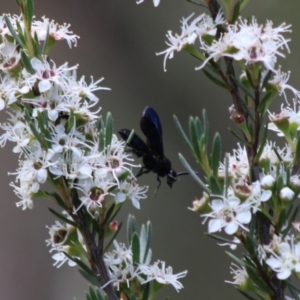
[[138, 146], [151, 127]]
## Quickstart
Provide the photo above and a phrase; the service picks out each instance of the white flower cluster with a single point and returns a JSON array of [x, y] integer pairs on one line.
[[285, 256], [198, 29], [54, 128], [123, 270], [57, 32], [234, 210], [243, 41]]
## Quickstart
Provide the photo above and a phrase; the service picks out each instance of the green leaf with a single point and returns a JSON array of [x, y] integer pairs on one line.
[[198, 127], [22, 35], [130, 137], [191, 49], [101, 295], [149, 237], [250, 246], [194, 140], [293, 289], [262, 144], [192, 173], [101, 143], [45, 45], [33, 128], [221, 239], [95, 293], [236, 12], [179, 127], [279, 184], [237, 260], [281, 220], [242, 87], [111, 214], [29, 9], [26, 62], [216, 154], [92, 294], [59, 200], [135, 247], [145, 240], [108, 214], [266, 101], [205, 127], [13, 32], [146, 291], [297, 153], [131, 228], [100, 124], [82, 265], [249, 78], [109, 129], [71, 122], [44, 128], [91, 279], [214, 185], [215, 80], [36, 45], [63, 218], [239, 138], [266, 80], [257, 279], [290, 223]]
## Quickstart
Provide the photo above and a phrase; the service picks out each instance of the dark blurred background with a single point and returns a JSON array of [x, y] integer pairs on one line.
[[118, 40]]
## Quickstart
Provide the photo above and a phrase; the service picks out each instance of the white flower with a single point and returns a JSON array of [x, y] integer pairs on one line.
[[286, 260], [258, 195], [60, 259], [45, 75], [94, 192], [119, 255], [56, 31], [131, 190], [81, 89], [228, 213], [240, 275], [238, 165], [162, 274], [25, 192], [249, 42], [200, 26], [280, 80]]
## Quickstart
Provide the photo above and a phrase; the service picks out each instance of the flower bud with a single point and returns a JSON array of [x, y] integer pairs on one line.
[[268, 182], [112, 228], [286, 194]]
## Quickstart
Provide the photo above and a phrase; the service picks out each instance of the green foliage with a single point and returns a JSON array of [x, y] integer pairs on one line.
[[95, 294]]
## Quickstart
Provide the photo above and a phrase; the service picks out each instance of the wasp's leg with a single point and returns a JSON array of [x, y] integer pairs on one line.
[[142, 171]]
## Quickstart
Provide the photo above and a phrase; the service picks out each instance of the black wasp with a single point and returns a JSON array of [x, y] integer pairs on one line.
[[153, 150]]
